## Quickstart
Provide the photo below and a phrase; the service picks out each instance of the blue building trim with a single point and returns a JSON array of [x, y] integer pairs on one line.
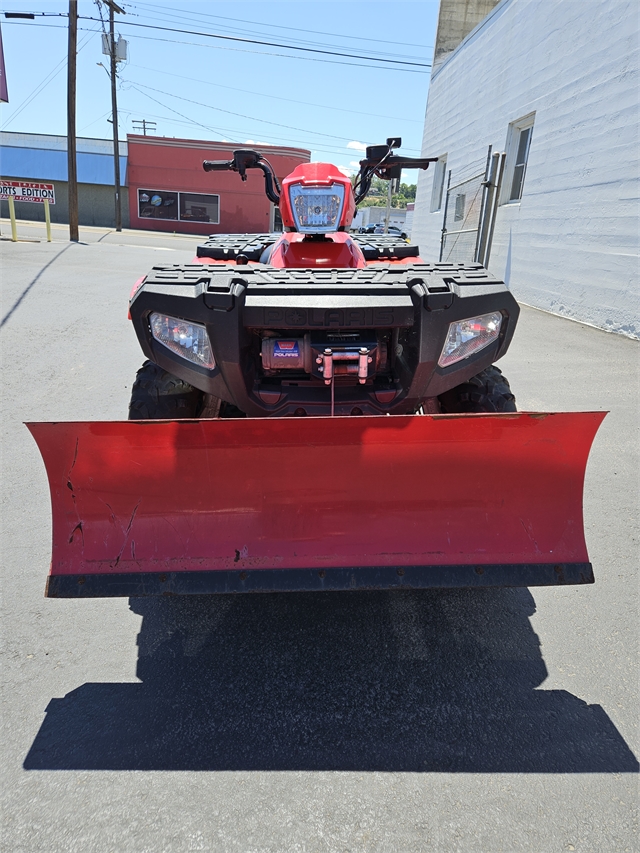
[[48, 165]]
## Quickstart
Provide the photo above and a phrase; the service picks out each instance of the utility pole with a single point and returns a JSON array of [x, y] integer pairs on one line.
[[113, 7], [71, 122], [143, 125]]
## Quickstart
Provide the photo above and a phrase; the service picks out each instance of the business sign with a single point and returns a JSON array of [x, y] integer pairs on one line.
[[26, 191]]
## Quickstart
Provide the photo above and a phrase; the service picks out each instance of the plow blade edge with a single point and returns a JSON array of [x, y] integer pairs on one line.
[[162, 507]]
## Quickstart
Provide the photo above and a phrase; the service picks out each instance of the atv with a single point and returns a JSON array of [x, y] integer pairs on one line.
[[327, 415], [316, 321]]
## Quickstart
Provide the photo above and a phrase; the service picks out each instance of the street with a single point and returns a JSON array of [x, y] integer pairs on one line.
[[483, 721]]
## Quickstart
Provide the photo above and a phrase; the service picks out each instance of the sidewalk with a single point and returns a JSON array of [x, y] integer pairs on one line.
[[29, 231]]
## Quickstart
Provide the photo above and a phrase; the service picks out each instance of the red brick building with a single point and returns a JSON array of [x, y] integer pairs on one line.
[[170, 191]]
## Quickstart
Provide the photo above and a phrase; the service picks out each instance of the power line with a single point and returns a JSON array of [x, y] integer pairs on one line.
[[237, 115], [48, 79], [160, 15], [265, 43], [331, 107], [154, 8], [241, 50], [224, 131], [245, 40]]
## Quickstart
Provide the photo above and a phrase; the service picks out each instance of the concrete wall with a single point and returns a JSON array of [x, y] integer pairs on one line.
[[456, 19], [570, 245], [96, 205]]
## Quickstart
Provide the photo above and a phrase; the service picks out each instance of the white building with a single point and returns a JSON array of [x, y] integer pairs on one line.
[[555, 85]]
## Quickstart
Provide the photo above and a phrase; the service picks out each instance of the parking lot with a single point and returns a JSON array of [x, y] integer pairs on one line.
[[486, 720]]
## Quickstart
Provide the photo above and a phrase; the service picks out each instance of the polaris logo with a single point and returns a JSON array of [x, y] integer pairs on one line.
[[333, 317]]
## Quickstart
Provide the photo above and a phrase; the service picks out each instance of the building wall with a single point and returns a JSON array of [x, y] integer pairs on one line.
[[376, 216], [175, 165], [39, 156], [96, 205], [570, 244], [43, 157]]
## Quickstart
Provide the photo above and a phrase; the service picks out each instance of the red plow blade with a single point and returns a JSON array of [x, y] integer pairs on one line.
[[152, 507]]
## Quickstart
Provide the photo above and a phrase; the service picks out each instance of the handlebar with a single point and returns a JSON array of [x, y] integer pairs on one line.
[[394, 161], [243, 159], [382, 163], [217, 165]]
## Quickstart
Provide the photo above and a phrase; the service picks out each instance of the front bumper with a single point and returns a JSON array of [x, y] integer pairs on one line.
[[406, 309]]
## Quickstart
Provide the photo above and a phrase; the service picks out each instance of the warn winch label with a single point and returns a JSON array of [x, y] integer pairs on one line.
[[286, 349]]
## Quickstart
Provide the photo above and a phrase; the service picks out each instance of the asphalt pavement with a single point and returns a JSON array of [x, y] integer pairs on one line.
[[488, 721]]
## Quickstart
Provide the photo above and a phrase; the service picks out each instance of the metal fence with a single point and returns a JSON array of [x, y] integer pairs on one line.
[[463, 208], [470, 211]]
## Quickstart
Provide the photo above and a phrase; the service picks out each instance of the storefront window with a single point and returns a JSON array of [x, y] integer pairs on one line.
[[195, 207], [157, 204], [187, 207]]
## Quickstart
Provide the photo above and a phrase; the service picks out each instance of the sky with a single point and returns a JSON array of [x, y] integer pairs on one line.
[[197, 87]]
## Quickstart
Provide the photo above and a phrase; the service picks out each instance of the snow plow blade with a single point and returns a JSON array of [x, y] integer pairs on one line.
[[260, 505]]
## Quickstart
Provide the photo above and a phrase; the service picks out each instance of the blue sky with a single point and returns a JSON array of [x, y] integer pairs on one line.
[[203, 88]]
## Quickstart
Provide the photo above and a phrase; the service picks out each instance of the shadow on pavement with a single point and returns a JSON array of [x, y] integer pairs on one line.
[[428, 681]]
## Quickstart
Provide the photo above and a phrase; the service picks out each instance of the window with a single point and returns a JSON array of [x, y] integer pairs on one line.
[[518, 144], [461, 202], [186, 207], [156, 204], [439, 175], [195, 207]]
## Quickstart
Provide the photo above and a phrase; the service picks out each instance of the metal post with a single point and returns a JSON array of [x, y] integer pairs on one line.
[[71, 122], [12, 216], [388, 213], [114, 109], [47, 219], [443, 235], [494, 213], [487, 209]]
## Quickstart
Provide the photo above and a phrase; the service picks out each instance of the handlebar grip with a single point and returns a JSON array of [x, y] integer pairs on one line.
[[217, 165]]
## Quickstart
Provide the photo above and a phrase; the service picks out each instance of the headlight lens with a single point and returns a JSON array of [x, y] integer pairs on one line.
[[188, 340], [316, 210], [468, 336]]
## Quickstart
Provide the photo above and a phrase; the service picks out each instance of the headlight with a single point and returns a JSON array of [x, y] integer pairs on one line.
[[316, 210], [468, 336], [188, 340]]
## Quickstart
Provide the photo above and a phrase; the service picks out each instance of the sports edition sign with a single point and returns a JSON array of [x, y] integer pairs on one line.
[[25, 191]]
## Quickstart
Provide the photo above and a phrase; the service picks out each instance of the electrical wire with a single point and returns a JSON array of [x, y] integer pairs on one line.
[[331, 107], [135, 84], [154, 9], [48, 79], [163, 15], [225, 131], [244, 40], [122, 23], [235, 49]]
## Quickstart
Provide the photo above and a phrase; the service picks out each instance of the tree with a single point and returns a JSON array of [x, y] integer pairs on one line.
[[377, 196]]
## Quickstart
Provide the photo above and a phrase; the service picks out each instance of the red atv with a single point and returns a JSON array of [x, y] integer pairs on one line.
[[218, 483], [316, 321]]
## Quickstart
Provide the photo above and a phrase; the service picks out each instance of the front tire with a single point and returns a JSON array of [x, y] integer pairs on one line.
[[487, 392], [158, 395]]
